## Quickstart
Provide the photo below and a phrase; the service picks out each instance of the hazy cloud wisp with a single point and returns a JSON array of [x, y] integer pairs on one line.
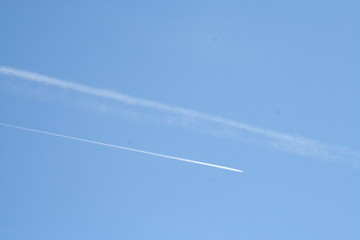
[[282, 141]]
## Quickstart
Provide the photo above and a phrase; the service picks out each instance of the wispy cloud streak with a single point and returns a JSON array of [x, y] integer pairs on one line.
[[285, 142], [121, 147]]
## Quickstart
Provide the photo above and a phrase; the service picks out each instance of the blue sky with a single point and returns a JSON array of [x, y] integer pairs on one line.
[[285, 66]]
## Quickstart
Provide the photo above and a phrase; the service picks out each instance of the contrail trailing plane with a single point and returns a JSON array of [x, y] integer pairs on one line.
[[121, 147]]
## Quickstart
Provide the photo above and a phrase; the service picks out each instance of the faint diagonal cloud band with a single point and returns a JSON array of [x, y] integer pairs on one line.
[[282, 141]]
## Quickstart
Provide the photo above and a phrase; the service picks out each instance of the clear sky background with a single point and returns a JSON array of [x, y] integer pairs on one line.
[[287, 66]]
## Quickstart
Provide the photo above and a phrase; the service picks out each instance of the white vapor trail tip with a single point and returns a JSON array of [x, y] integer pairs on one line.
[[120, 147]]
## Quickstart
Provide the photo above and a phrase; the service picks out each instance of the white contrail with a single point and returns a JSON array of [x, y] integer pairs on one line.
[[279, 140], [35, 77], [121, 147]]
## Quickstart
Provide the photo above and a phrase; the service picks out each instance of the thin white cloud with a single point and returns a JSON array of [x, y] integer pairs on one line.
[[282, 141], [121, 147]]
